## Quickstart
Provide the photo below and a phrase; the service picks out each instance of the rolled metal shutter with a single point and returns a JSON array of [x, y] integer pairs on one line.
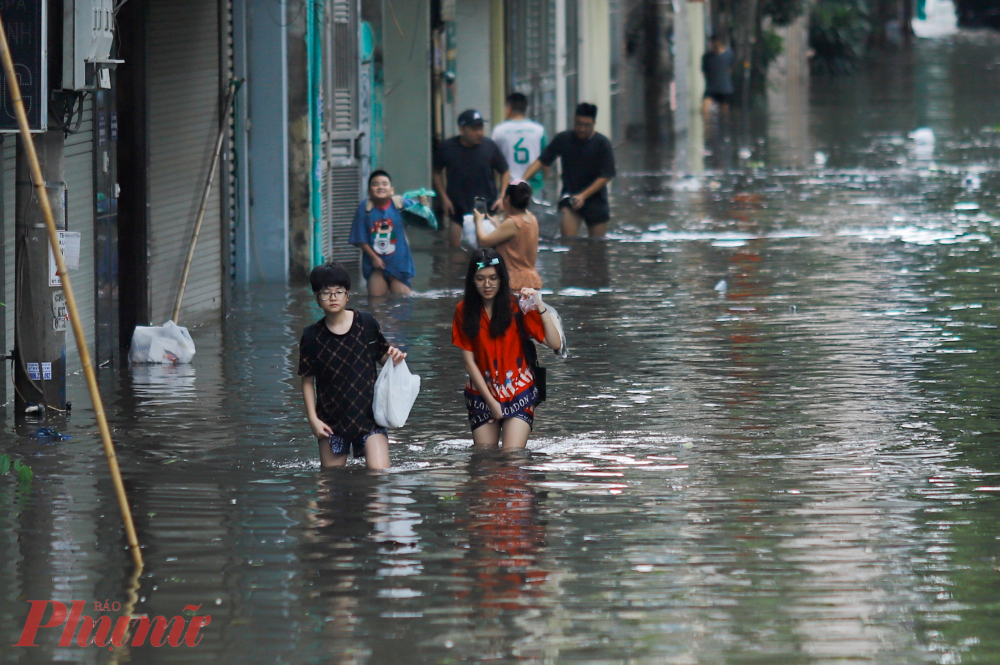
[[342, 185], [78, 154], [531, 55], [9, 162], [183, 98]]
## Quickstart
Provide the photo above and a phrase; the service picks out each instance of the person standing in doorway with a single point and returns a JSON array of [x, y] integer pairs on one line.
[[521, 140], [588, 165], [717, 66], [466, 168]]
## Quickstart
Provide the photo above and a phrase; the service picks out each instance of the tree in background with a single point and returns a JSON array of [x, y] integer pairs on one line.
[[748, 26], [838, 34]]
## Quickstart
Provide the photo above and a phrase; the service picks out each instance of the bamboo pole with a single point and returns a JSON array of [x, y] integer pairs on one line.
[[230, 96], [38, 181]]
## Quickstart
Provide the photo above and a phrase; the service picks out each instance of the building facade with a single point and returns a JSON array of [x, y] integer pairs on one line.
[[326, 91]]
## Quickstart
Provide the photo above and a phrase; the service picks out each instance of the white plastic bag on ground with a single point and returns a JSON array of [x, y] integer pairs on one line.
[[395, 392], [469, 239], [169, 343]]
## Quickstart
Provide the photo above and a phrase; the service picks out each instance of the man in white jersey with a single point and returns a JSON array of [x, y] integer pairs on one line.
[[520, 140]]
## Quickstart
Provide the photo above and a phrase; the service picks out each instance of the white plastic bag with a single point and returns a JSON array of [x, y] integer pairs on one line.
[[395, 392], [169, 343], [528, 303], [469, 239]]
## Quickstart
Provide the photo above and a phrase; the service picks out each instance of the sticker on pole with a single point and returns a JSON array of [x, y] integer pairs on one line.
[[69, 245]]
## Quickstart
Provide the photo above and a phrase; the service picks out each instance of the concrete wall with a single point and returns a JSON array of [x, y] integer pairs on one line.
[[788, 94], [406, 113], [265, 235], [473, 85], [689, 46], [595, 60], [299, 148]]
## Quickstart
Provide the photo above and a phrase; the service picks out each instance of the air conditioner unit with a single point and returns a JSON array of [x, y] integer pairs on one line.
[[88, 31]]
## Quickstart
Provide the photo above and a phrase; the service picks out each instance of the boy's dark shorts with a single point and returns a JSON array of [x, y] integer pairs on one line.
[[341, 446], [459, 216], [594, 211], [720, 97]]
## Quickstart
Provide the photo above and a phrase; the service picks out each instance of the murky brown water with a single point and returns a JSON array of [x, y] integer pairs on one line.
[[800, 468]]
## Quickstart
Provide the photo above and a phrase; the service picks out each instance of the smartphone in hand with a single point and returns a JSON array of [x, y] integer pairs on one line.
[[480, 205]]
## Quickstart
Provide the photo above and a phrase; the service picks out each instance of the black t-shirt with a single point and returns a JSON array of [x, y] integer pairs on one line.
[[344, 376], [470, 171], [583, 162], [718, 68]]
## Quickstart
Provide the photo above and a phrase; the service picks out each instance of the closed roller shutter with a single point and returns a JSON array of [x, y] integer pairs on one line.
[[183, 97], [531, 57], [79, 169], [9, 152], [342, 175]]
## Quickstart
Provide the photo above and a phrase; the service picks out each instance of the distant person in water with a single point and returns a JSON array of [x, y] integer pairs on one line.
[[516, 237], [378, 230], [500, 394], [717, 66], [588, 165], [338, 356]]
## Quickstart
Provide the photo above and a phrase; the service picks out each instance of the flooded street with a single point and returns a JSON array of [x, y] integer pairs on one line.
[[774, 441]]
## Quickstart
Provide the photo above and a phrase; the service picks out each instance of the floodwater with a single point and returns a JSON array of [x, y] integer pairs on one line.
[[798, 467]]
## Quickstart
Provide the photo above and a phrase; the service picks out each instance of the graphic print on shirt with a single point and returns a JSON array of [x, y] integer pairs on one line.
[[501, 361], [383, 237]]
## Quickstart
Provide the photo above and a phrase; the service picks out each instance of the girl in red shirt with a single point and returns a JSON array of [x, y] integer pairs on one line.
[[501, 392]]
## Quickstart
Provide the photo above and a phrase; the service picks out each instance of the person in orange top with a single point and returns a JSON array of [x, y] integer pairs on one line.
[[516, 237], [501, 394]]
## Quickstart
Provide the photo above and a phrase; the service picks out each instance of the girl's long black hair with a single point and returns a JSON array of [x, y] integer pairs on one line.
[[473, 307]]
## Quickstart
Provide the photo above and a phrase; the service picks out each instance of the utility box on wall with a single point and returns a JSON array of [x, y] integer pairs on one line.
[[88, 32], [25, 23]]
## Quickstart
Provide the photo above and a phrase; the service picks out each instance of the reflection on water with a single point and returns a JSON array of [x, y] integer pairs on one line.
[[774, 440]]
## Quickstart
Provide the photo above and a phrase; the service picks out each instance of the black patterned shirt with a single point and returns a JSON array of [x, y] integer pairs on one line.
[[344, 376]]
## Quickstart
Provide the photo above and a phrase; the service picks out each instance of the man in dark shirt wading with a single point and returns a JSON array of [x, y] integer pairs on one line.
[[464, 168], [588, 165], [717, 66]]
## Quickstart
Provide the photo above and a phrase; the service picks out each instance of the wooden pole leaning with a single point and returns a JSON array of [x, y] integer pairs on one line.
[[230, 97], [38, 182]]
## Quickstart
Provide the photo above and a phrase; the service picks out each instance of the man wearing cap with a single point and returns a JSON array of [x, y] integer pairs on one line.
[[467, 163]]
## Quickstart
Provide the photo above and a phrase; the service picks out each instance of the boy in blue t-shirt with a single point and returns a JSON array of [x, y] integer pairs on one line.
[[378, 230]]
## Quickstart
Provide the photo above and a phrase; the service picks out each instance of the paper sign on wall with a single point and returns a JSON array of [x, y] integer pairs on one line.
[[69, 245]]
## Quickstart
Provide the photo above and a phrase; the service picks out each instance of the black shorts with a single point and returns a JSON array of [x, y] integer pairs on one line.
[[594, 211], [341, 446], [459, 216], [720, 97]]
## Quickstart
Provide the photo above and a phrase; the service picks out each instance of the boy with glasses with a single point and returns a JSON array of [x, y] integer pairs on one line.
[[338, 356]]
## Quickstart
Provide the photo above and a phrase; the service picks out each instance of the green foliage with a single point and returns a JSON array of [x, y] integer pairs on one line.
[[22, 471], [782, 12], [771, 46], [838, 32]]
